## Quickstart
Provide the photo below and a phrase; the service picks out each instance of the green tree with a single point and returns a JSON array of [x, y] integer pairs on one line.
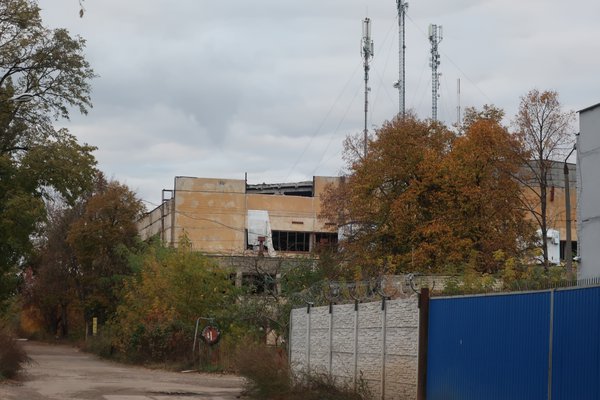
[[53, 292], [101, 239], [37, 161], [161, 303], [82, 257]]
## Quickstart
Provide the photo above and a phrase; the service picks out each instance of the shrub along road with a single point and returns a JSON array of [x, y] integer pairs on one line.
[[62, 372]]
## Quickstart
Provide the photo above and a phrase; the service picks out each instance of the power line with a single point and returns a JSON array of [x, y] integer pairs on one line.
[[323, 121]]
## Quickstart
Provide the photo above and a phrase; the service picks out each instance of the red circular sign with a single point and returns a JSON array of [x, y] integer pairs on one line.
[[211, 334]]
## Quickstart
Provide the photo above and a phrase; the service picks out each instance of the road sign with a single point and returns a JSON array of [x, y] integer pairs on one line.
[[211, 334]]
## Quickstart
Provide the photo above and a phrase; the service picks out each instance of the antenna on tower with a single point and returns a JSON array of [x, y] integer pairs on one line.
[[367, 52], [435, 37], [400, 84], [458, 117]]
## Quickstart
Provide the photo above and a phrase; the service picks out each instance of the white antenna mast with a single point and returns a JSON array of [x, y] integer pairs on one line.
[[458, 119], [367, 52], [400, 84], [435, 37]]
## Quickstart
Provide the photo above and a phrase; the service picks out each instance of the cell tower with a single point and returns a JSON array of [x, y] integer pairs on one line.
[[366, 51], [458, 117], [435, 37], [400, 84]]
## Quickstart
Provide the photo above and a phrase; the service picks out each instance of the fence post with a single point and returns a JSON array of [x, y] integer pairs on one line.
[[330, 338], [423, 343], [550, 344], [290, 336], [308, 338], [383, 340], [355, 344]]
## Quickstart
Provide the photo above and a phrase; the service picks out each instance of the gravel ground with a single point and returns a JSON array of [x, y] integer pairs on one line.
[[61, 372]]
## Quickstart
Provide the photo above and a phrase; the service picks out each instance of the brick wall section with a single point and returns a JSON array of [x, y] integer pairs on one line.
[[332, 344]]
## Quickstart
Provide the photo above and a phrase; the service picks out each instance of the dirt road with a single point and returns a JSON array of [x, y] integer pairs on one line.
[[62, 372]]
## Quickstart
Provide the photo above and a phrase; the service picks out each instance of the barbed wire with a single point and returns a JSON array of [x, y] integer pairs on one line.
[[327, 291], [341, 292], [404, 286]]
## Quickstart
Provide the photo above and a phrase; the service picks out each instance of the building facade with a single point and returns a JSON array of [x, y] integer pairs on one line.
[[556, 216], [229, 217], [588, 216]]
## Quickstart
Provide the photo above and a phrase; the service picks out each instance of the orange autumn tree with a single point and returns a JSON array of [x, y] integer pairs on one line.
[[368, 201], [426, 199], [483, 209]]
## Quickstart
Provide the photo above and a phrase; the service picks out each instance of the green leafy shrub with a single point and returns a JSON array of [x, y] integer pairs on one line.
[[101, 344], [155, 321]]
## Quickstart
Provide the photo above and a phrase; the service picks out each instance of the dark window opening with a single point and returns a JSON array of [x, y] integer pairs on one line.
[[326, 240], [255, 247], [303, 189], [259, 283], [291, 241], [563, 245]]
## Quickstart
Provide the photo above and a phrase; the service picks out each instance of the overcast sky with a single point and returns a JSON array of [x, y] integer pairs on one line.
[[272, 87]]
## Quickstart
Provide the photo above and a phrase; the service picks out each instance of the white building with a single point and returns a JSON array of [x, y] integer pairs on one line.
[[588, 179]]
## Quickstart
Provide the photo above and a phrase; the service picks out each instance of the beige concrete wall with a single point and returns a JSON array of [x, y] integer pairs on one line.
[[556, 210], [157, 223], [287, 213], [324, 342], [212, 213]]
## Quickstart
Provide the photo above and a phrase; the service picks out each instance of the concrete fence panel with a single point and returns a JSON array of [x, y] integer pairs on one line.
[[376, 342]]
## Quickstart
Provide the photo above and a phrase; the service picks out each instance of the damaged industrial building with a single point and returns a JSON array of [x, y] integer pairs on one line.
[[253, 228]]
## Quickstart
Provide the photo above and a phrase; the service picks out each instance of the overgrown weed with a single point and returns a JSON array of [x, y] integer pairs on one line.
[[13, 357], [269, 377]]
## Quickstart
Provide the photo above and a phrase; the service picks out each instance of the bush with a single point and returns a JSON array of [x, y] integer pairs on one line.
[[269, 377], [155, 320], [12, 356], [267, 371], [321, 386], [101, 345]]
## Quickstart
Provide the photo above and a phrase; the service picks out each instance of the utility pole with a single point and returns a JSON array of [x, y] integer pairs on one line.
[[366, 51], [435, 37], [400, 84], [569, 242]]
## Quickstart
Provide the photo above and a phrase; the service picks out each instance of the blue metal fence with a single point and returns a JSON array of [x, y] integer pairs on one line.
[[515, 346], [576, 344]]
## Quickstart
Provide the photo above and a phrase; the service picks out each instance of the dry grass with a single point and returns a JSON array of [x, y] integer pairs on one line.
[[12, 356], [269, 377]]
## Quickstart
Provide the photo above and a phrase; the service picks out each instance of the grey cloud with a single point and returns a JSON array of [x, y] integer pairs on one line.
[[271, 87]]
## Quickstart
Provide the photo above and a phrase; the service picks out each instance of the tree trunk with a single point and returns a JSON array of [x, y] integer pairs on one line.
[[65, 319], [543, 212]]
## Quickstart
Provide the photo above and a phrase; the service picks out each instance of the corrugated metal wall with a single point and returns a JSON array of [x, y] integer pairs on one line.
[[488, 347], [576, 350], [499, 346]]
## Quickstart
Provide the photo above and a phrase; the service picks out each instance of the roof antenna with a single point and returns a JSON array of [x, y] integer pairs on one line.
[[367, 52]]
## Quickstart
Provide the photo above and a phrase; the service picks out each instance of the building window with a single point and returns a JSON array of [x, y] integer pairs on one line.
[[259, 283], [563, 245], [326, 240], [291, 241]]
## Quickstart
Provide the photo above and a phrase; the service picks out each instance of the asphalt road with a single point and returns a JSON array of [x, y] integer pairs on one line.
[[61, 372]]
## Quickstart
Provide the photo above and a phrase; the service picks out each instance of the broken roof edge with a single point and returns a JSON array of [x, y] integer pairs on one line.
[[280, 184]]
